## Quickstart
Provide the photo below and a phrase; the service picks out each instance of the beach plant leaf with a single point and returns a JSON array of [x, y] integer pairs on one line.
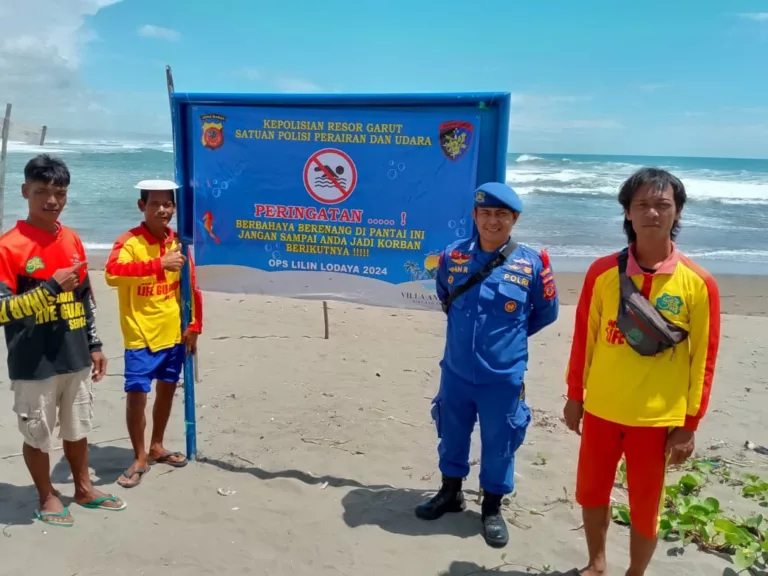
[[693, 519], [620, 514], [713, 504], [743, 560], [692, 482]]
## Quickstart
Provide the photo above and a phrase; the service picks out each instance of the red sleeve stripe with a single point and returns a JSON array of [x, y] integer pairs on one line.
[[713, 343], [578, 358], [131, 269]]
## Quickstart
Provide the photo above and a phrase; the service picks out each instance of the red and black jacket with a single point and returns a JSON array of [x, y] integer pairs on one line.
[[47, 331]]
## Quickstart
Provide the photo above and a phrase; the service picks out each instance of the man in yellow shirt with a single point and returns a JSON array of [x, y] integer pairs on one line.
[[642, 362], [145, 266]]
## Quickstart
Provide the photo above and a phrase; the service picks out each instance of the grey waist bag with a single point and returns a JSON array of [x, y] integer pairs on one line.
[[643, 326]]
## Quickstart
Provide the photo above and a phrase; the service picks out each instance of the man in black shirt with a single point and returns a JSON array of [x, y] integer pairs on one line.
[[54, 352]]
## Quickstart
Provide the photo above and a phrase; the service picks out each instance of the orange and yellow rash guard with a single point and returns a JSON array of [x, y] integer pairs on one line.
[[618, 384], [149, 297]]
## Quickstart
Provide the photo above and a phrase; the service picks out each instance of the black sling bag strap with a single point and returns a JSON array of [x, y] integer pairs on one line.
[[480, 275], [645, 329]]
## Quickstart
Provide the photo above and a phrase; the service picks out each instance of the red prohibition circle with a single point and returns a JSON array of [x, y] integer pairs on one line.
[[313, 161]]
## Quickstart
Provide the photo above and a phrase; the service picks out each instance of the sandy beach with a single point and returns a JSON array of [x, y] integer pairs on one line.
[[327, 445]]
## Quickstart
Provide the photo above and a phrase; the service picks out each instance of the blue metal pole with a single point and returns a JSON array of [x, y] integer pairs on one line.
[[186, 237], [190, 421]]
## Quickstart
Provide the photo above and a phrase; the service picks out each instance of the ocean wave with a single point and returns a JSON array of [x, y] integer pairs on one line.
[[746, 189], [97, 246], [22, 148], [90, 147], [606, 190], [528, 158], [596, 251], [741, 255]]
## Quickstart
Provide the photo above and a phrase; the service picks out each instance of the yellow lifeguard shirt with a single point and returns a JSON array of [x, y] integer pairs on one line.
[[149, 297], [618, 384]]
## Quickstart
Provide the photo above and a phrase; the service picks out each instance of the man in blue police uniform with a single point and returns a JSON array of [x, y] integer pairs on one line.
[[496, 294]]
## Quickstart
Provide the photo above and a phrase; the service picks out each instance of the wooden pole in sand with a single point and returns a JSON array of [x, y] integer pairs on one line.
[[42, 135], [3, 157], [325, 318]]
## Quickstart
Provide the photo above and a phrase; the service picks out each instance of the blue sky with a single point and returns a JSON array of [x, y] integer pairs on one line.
[[675, 77]]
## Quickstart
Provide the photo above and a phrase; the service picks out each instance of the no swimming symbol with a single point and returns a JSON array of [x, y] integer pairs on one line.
[[330, 176]]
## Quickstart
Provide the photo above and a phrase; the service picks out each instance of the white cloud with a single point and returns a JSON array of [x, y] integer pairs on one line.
[[756, 16], [651, 87], [152, 31], [597, 124], [296, 85], [539, 100], [538, 113], [249, 73], [40, 57]]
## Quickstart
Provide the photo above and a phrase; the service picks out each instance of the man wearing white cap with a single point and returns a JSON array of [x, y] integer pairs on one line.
[[145, 266]]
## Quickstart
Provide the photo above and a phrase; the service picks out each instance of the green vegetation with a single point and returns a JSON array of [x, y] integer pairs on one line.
[[690, 518]]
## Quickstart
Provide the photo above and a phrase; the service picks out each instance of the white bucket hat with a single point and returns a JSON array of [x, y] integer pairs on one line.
[[157, 185]]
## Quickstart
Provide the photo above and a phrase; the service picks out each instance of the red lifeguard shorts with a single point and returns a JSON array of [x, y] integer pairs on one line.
[[644, 449]]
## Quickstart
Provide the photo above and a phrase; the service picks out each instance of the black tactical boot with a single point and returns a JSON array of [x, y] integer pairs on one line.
[[450, 498], [494, 527]]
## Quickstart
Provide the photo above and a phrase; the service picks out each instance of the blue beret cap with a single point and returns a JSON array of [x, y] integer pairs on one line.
[[497, 195]]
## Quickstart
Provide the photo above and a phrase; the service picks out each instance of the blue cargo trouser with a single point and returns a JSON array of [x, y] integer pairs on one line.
[[504, 420]]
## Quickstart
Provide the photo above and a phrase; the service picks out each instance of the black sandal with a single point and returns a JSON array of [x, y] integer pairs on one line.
[[128, 475], [166, 459]]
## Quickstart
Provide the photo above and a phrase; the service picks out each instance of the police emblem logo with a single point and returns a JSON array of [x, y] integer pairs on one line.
[[213, 131], [549, 291], [480, 197], [510, 306], [450, 279], [459, 258], [455, 138]]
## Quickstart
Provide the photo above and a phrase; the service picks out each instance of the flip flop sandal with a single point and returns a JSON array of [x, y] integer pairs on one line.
[[128, 475], [63, 514], [166, 459], [98, 504]]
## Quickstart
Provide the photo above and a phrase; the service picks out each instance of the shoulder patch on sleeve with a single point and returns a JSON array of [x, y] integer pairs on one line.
[[549, 290], [544, 257]]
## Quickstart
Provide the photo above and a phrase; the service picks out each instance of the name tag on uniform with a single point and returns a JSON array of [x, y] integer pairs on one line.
[[515, 279]]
